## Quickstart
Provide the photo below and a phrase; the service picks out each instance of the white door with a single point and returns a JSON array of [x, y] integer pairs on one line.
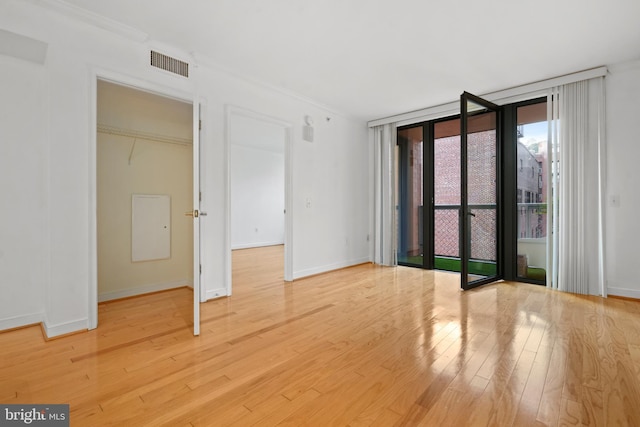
[[196, 214]]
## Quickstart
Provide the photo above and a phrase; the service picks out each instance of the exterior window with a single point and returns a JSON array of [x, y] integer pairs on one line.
[[532, 181]]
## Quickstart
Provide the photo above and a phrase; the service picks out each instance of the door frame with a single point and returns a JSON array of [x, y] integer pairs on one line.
[[230, 112], [144, 85], [465, 214], [507, 175]]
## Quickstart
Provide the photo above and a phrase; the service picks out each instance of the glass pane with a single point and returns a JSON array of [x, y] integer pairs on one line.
[[483, 242], [532, 191], [410, 195], [446, 186], [481, 164], [447, 239], [482, 171], [446, 163]]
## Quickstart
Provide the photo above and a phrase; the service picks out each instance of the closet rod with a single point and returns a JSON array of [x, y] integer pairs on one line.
[[112, 130]]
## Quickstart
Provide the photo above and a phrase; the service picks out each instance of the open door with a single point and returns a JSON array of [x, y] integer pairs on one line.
[[196, 214], [480, 222]]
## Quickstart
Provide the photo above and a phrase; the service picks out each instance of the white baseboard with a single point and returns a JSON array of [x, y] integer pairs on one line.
[[39, 318], [623, 292], [216, 293], [141, 290], [65, 328], [330, 267], [18, 321], [255, 245]]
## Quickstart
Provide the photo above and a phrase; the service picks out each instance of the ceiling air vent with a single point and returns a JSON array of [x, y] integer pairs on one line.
[[170, 64]]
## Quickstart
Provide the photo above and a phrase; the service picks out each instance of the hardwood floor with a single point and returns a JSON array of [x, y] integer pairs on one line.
[[366, 345]]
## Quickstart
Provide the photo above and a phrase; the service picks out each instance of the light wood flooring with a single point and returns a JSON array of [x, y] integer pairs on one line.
[[367, 345]]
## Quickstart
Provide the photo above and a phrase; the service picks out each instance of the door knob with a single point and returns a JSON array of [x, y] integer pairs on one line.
[[194, 213]]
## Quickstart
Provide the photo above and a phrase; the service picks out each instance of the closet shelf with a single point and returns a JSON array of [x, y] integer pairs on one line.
[[112, 130]]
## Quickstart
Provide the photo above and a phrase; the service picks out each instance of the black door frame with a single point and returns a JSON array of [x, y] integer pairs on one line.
[[465, 210], [507, 211], [510, 188]]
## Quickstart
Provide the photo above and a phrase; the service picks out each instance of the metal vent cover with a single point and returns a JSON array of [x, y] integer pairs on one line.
[[170, 64]]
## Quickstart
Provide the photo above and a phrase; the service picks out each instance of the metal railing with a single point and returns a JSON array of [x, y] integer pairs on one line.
[[532, 221]]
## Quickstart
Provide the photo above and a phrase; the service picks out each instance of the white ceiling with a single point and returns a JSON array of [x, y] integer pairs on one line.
[[376, 58]]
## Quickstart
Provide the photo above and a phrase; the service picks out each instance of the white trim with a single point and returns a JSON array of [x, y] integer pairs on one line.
[[216, 293], [95, 74], [197, 223], [622, 292], [92, 312], [146, 289], [22, 320], [245, 112], [230, 111], [518, 93], [202, 196], [64, 328], [206, 61], [329, 267]]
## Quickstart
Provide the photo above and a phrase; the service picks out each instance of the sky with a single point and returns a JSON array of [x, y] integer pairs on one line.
[[535, 131]]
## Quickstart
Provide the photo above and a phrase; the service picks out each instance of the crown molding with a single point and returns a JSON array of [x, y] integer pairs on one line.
[[131, 33], [92, 18], [206, 61]]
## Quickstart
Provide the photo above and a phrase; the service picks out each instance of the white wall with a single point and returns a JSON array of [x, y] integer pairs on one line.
[[55, 260], [24, 240], [622, 239], [257, 197]]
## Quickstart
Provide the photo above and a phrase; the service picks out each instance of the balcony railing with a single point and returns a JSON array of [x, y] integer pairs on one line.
[[532, 220]]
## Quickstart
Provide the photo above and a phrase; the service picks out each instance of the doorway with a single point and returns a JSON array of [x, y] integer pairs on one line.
[[259, 185], [145, 151]]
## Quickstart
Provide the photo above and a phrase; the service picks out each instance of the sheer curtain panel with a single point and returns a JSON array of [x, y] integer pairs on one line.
[[577, 153], [384, 142]]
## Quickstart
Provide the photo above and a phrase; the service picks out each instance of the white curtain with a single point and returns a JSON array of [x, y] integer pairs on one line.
[[576, 149], [384, 142]]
